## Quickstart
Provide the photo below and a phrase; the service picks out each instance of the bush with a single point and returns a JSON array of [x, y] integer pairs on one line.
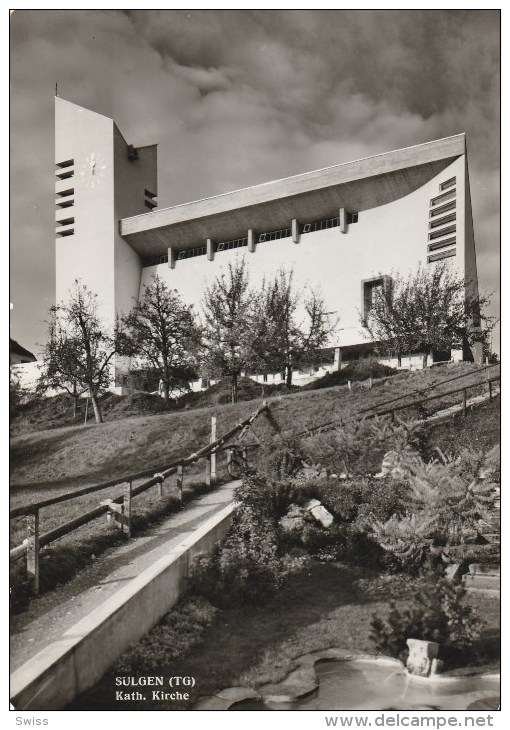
[[379, 500], [354, 372], [359, 447], [248, 565], [281, 459], [437, 613], [177, 632], [342, 498]]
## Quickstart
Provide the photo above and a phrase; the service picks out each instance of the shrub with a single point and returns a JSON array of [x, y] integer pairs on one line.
[[248, 564], [408, 538], [342, 499], [359, 447], [177, 632], [379, 500], [358, 371], [437, 613], [281, 459], [447, 503]]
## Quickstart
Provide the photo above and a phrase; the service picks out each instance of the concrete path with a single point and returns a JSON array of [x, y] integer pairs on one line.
[[57, 612]]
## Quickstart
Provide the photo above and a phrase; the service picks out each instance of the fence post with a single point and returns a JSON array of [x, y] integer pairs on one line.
[[160, 489], [349, 384], [464, 402], [33, 549], [180, 479], [208, 470], [213, 454], [127, 508], [490, 389], [370, 382]]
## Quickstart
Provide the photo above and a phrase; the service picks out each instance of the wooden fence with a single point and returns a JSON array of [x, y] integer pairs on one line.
[[374, 411], [120, 507]]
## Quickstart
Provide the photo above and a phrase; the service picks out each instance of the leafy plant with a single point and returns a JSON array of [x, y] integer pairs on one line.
[[437, 613], [177, 632], [248, 564], [407, 537]]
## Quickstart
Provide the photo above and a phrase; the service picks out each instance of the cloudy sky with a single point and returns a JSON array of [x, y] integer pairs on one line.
[[237, 97]]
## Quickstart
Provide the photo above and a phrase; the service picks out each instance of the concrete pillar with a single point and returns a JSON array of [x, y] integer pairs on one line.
[[171, 257], [343, 220], [421, 655], [210, 249], [296, 231], [251, 241], [337, 363]]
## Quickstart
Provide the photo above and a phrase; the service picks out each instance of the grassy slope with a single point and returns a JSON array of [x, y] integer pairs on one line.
[[58, 459]]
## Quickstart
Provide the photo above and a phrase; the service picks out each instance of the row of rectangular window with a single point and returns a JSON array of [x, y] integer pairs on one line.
[[261, 238], [229, 245], [439, 206], [191, 253]]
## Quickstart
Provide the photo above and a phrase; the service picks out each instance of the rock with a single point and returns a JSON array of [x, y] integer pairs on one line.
[[294, 520], [238, 694], [421, 654], [319, 512]]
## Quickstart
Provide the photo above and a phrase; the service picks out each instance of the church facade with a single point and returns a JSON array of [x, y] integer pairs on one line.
[[347, 228]]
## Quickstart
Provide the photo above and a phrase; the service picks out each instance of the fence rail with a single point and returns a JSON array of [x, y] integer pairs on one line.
[[118, 508], [365, 412]]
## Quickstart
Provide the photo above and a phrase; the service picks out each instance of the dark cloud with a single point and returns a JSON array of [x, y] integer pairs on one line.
[[235, 98]]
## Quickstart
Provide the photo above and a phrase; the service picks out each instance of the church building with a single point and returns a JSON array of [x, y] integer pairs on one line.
[[347, 228]]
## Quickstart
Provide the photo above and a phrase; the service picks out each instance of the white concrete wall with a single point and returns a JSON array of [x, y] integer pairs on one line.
[[87, 255], [389, 238], [80, 657], [96, 254]]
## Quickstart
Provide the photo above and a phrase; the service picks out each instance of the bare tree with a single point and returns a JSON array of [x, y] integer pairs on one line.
[[162, 333], [283, 340], [228, 332], [78, 354], [431, 309]]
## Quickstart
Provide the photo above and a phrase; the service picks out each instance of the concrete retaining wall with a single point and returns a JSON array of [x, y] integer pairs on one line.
[[75, 662]]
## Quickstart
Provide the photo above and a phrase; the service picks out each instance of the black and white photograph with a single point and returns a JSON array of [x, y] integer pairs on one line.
[[254, 363]]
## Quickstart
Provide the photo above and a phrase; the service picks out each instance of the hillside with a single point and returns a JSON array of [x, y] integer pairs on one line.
[[52, 461], [63, 458]]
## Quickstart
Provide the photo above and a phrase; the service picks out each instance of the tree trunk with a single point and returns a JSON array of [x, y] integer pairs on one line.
[[75, 401], [166, 395], [288, 375], [97, 408], [234, 388], [425, 358], [166, 387]]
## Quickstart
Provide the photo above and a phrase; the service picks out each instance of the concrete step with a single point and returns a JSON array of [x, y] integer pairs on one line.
[[479, 581], [493, 537]]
